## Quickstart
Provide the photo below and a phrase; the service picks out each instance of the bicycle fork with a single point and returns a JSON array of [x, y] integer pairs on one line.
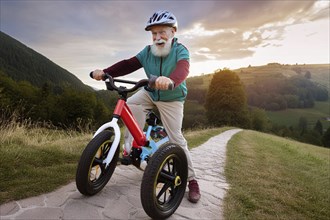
[[113, 124]]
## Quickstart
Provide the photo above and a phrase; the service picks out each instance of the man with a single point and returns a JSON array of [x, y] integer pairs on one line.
[[169, 61]]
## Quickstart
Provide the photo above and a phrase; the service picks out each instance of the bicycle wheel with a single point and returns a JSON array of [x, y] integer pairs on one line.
[[164, 181], [92, 175]]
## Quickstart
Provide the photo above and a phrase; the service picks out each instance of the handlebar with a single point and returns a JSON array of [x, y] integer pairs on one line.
[[110, 83], [148, 83]]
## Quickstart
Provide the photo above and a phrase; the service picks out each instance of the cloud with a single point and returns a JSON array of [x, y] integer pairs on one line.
[[236, 29], [84, 34]]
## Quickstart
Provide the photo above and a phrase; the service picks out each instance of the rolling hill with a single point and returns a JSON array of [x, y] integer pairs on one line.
[[22, 63]]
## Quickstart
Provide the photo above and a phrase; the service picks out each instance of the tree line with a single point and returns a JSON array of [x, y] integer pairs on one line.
[[63, 107], [275, 94]]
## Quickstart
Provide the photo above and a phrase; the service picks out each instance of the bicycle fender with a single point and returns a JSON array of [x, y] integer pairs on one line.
[[113, 124]]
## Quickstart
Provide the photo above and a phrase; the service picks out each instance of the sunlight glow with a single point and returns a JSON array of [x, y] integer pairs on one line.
[[200, 31]]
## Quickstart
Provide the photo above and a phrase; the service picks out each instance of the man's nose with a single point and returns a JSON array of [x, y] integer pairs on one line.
[[158, 36]]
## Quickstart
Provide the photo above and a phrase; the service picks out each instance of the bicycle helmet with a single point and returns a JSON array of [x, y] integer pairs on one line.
[[162, 18]]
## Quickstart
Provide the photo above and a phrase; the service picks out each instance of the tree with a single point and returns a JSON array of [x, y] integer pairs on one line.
[[326, 138], [226, 100], [318, 127], [259, 119], [302, 125]]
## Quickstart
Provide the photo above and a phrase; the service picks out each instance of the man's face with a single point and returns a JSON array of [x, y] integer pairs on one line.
[[161, 34]]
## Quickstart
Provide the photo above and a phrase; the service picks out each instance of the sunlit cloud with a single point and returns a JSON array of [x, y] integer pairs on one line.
[[199, 31]]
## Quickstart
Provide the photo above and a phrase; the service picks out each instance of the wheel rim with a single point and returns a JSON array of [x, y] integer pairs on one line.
[[168, 181], [97, 168]]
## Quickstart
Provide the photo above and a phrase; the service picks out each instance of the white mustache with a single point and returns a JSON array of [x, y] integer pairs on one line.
[[159, 41]]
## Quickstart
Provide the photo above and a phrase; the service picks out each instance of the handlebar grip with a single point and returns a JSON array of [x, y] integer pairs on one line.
[[152, 83]]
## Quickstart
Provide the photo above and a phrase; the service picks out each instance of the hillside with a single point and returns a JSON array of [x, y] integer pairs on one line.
[[34, 88], [320, 74], [276, 178], [287, 100], [22, 63], [274, 87]]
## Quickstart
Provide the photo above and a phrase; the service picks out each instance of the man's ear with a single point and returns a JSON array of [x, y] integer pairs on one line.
[[173, 31]]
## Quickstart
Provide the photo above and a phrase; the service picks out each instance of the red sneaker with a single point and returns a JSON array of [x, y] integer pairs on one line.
[[194, 194]]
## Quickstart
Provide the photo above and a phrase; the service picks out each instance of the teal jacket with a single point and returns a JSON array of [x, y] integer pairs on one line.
[[164, 66]]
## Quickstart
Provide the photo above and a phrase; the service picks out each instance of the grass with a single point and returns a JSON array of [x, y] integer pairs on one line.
[[198, 137], [290, 117], [275, 178], [35, 160]]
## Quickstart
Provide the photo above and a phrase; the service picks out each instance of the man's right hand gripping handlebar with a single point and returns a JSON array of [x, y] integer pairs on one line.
[[161, 82], [97, 75]]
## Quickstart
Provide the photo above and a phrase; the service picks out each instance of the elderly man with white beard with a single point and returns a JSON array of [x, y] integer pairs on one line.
[[169, 61]]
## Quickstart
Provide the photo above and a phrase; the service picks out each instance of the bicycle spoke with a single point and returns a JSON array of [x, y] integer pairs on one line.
[[105, 151], [163, 192], [166, 177]]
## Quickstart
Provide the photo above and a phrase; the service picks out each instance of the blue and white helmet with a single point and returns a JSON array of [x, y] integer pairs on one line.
[[162, 18]]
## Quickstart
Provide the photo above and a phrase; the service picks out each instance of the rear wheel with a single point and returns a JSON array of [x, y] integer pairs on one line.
[[92, 174], [164, 181]]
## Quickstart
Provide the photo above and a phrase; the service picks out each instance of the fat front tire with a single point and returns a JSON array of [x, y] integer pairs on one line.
[[164, 181], [92, 175]]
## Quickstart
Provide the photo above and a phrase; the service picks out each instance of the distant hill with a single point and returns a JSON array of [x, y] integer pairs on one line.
[[287, 93], [32, 87], [319, 73], [22, 63]]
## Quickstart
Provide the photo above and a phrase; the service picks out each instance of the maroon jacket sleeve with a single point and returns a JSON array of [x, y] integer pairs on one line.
[[123, 67], [180, 73]]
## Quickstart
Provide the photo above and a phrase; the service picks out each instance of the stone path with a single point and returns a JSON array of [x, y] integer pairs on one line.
[[120, 199]]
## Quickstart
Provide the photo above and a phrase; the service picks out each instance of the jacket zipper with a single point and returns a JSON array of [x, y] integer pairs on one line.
[[160, 73]]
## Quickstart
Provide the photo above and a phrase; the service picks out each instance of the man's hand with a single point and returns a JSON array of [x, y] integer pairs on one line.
[[163, 82], [98, 74]]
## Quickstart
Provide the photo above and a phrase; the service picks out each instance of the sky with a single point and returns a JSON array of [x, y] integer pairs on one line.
[[84, 35]]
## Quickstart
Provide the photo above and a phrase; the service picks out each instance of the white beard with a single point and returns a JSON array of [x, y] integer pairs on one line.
[[164, 51]]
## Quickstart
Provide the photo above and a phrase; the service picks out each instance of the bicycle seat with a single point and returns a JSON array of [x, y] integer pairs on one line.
[[153, 119]]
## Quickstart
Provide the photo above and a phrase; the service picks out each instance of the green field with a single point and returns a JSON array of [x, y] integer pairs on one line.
[[290, 117]]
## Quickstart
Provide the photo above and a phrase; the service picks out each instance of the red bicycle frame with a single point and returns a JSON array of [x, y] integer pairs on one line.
[[123, 111]]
